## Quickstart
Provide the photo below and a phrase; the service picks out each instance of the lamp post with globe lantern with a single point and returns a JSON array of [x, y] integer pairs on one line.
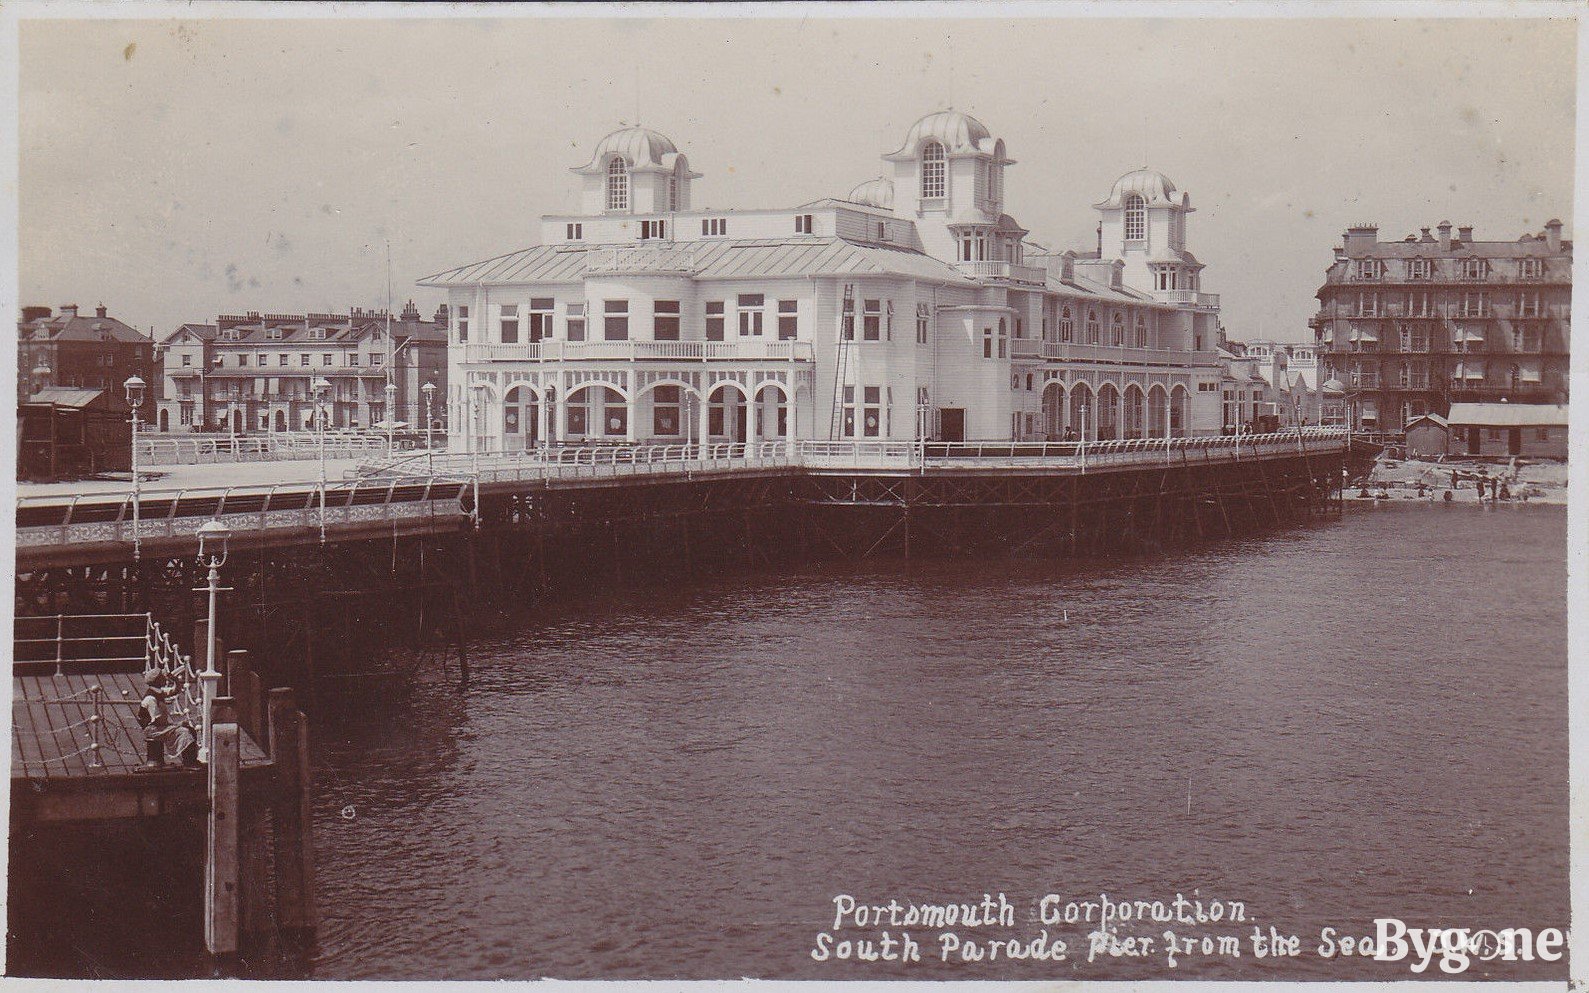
[[135, 389], [212, 555]]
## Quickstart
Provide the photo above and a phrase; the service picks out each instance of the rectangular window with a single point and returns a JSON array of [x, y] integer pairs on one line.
[[847, 320], [715, 419], [848, 427], [508, 329], [264, 360], [187, 413], [871, 411], [353, 358], [462, 324], [187, 360], [987, 343], [1528, 304], [714, 227], [319, 334], [616, 323], [1494, 434], [615, 416], [576, 322], [872, 320], [653, 229], [576, 232], [750, 314], [665, 321], [922, 317], [576, 419], [665, 410], [714, 320], [1533, 268], [541, 311], [802, 224], [281, 359], [377, 359], [788, 320], [326, 359], [1475, 269], [1419, 269], [303, 359], [242, 359]]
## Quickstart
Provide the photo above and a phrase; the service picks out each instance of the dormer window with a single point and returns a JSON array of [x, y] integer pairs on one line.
[[229, 334], [1136, 217], [617, 185], [317, 334], [1420, 269], [1532, 268], [576, 232], [1370, 269], [802, 224], [653, 229], [713, 227], [1475, 268], [932, 171]]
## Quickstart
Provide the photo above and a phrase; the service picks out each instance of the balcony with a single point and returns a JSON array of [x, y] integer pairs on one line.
[[626, 351], [1363, 380], [1058, 351], [1012, 272], [1187, 298]]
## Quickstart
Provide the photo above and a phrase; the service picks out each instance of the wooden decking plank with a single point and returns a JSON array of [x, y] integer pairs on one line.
[[48, 740], [121, 720], [71, 711], [26, 749]]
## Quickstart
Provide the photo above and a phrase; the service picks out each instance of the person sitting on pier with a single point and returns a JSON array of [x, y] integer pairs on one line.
[[162, 736]]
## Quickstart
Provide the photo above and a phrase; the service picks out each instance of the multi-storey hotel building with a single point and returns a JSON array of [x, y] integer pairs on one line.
[[1409, 327], [252, 373], [912, 308]]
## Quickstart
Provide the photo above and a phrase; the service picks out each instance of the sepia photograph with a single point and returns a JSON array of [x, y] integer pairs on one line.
[[1009, 492]]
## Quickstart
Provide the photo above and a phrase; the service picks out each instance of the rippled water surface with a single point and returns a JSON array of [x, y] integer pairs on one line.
[[1363, 719]]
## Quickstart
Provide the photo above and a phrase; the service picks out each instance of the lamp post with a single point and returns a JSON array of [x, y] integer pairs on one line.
[[429, 390], [322, 390], [211, 557], [135, 387], [1084, 437], [391, 412]]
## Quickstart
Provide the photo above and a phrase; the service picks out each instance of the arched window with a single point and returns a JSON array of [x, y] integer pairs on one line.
[[1136, 217], [1066, 328], [1092, 327], [1142, 331], [1117, 331], [617, 185], [932, 170]]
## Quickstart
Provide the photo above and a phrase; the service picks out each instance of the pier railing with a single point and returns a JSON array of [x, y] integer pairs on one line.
[[175, 513], [203, 449]]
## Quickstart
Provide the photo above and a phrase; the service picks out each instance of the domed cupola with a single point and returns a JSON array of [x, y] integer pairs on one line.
[[1151, 185], [877, 192], [950, 166], [958, 132], [636, 170]]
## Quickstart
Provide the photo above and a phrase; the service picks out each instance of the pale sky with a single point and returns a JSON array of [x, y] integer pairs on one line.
[[175, 170]]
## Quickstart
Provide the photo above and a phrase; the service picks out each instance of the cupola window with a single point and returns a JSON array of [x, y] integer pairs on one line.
[[1136, 217], [617, 185], [932, 171]]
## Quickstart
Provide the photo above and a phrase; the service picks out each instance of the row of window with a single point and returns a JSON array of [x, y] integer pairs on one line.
[[1473, 303], [284, 359], [750, 311], [1470, 268], [1093, 332], [1416, 338], [277, 334]]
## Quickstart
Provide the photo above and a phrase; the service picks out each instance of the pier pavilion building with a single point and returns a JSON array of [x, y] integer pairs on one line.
[[913, 307]]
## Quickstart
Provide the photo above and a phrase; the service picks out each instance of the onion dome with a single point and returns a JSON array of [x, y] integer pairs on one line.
[[877, 192], [959, 132], [643, 149], [1151, 185]]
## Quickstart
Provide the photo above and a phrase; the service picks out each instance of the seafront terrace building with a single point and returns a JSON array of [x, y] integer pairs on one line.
[[913, 307], [253, 373], [83, 352], [1410, 327]]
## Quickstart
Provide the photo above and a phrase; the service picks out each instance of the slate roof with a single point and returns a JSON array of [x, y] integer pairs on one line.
[[90, 328], [65, 396]]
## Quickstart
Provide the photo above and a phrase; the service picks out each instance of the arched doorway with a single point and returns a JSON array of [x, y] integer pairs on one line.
[[1108, 413], [165, 420], [1158, 410], [1136, 413], [1082, 414], [281, 420], [1054, 410], [596, 411], [238, 427], [726, 413], [773, 414], [521, 420], [1178, 412]]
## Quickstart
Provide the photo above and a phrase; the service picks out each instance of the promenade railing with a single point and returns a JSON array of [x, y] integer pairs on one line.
[[203, 449]]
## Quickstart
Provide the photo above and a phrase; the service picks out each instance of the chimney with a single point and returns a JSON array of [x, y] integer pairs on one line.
[[99, 311], [1465, 234], [1444, 227], [1553, 234], [68, 310], [1427, 237], [30, 314], [1360, 239], [1067, 266]]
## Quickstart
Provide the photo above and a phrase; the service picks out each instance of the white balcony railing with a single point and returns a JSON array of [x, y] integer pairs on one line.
[[1012, 271], [1073, 352], [700, 351], [1192, 298]]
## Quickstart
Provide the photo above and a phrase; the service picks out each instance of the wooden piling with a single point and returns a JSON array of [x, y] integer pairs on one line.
[[244, 685], [253, 876], [296, 917], [221, 854]]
